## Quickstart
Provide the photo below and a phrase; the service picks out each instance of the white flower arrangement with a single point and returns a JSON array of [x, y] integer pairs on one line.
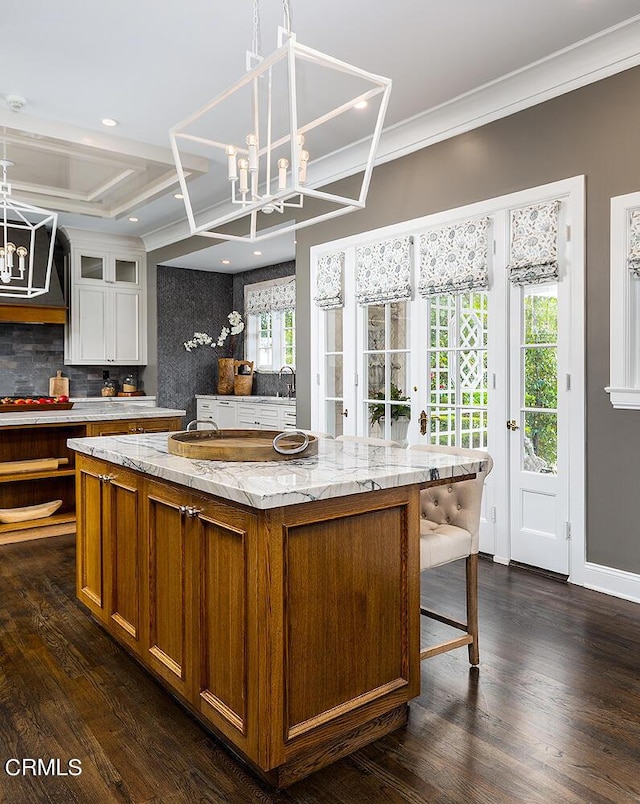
[[236, 326]]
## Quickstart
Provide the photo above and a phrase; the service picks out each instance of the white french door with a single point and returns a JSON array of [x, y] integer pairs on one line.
[[537, 430], [499, 370]]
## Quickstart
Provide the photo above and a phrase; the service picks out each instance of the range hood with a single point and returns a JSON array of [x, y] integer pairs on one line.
[[49, 308]]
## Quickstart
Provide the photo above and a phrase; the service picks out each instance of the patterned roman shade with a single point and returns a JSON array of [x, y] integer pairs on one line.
[[329, 277], [383, 271], [454, 258], [270, 299], [633, 259], [534, 244]]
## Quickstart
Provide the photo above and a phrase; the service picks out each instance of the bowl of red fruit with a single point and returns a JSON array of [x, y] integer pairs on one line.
[[15, 404]]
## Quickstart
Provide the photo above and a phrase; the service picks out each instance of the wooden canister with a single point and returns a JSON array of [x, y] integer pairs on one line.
[[226, 370], [243, 382]]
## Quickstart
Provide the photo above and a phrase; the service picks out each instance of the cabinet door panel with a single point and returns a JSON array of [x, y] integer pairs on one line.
[[170, 565], [126, 326], [225, 414], [124, 512], [90, 323], [223, 628], [91, 549]]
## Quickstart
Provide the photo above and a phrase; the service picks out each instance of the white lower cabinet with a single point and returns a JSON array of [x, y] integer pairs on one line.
[[228, 413]]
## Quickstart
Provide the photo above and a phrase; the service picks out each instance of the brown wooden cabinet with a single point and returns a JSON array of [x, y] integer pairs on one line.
[[292, 632], [129, 426], [28, 442], [109, 548]]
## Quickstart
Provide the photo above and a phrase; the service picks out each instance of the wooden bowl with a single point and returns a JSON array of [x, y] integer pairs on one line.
[[238, 445], [10, 515]]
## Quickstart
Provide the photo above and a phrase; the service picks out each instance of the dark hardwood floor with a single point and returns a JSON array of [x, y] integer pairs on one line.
[[551, 716]]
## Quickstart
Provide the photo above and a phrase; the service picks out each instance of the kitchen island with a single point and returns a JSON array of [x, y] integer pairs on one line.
[[279, 602], [30, 439]]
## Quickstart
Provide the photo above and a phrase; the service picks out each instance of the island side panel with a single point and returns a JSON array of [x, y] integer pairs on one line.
[[344, 604]]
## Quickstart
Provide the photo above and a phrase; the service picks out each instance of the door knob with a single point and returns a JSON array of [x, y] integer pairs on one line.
[[423, 419], [345, 413], [512, 425]]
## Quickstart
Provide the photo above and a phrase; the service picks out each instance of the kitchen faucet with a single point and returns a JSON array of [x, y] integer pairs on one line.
[[291, 389]]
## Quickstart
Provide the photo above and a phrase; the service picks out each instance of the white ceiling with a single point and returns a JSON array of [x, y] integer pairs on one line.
[[150, 63]]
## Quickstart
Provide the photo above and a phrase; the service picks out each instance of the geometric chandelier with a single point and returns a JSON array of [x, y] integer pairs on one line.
[[22, 273], [271, 140]]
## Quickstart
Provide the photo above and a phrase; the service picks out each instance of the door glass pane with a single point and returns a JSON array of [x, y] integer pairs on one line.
[[441, 384], [91, 267], [442, 426], [334, 375], [540, 442], [334, 418], [398, 325], [473, 429], [441, 313], [541, 377], [399, 376], [375, 326], [386, 367], [376, 376], [541, 314], [458, 377], [473, 377], [127, 271], [333, 330]]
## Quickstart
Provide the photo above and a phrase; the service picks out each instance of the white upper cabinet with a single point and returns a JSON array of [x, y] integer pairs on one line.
[[107, 319]]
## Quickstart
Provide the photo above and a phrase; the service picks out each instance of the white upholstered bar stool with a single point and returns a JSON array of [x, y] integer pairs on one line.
[[449, 531], [374, 442]]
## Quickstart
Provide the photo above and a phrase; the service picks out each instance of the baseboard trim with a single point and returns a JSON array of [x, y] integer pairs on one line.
[[611, 581]]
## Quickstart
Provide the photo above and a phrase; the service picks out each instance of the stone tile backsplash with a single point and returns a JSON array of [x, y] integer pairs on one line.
[[32, 353]]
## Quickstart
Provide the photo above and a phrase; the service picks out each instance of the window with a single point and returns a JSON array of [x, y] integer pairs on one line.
[[271, 324]]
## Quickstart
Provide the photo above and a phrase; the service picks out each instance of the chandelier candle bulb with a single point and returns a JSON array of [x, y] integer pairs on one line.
[[302, 170], [21, 251], [231, 161], [10, 252], [252, 144], [283, 164], [243, 166]]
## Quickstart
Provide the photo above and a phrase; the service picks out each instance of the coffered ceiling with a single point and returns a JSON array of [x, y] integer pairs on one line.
[[148, 64]]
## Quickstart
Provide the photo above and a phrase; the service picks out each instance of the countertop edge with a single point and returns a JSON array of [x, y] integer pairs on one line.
[[244, 487]]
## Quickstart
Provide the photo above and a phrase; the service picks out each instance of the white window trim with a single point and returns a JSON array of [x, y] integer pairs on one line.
[[623, 388], [251, 333]]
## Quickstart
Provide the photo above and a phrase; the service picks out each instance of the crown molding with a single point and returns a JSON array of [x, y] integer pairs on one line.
[[609, 52]]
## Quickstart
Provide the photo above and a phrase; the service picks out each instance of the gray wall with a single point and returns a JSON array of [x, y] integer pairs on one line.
[[188, 302], [591, 131], [32, 353]]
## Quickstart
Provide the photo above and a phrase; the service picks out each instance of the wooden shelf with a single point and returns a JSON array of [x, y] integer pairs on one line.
[[55, 519], [47, 473]]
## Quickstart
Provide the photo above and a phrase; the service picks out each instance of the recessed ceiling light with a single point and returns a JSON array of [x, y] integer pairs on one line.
[[109, 121], [134, 219], [360, 105], [226, 262], [257, 253], [179, 196]]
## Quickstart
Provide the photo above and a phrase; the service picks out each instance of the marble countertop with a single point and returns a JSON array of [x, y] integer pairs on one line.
[[271, 400], [88, 412], [339, 469]]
